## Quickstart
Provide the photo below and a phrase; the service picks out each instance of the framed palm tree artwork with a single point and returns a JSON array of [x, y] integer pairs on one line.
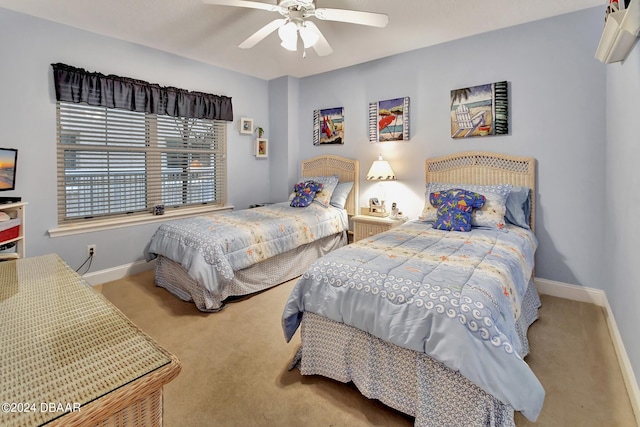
[[480, 110], [389, 120]]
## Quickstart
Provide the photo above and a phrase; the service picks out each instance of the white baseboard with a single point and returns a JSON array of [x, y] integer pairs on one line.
[[599, 297], [572, 292], [115, 273]]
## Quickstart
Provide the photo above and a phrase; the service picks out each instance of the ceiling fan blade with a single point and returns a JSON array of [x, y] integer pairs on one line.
[[262, 33], [353, 16], [244, 3], [321, 46]]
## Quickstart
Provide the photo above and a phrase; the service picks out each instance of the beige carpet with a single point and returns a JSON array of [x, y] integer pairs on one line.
[[234, 365]]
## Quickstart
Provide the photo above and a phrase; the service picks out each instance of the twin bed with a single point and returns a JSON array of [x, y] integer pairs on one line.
[[432, 323], [210, 258]]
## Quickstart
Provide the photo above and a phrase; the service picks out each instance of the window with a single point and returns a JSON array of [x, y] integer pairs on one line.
[[114, 163]]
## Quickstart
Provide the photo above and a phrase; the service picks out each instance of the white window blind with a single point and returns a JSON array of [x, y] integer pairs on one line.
[[114, 162]]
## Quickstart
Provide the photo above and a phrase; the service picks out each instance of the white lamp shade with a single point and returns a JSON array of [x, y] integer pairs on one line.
[[309, 36], [290, 45], [380, 170], [289, 35]]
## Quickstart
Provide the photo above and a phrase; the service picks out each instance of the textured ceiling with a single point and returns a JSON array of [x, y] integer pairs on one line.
[[211, 34]]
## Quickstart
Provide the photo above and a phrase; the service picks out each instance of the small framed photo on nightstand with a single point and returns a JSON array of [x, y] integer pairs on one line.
[[377, 207]]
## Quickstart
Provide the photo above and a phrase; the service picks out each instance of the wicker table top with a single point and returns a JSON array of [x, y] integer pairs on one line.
[[63, 343]]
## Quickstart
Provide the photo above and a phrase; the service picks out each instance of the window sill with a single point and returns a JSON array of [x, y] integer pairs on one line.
[[68, 230]]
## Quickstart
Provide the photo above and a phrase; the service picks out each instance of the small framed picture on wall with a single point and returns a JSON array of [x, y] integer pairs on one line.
[[246, 126], [262, 148]]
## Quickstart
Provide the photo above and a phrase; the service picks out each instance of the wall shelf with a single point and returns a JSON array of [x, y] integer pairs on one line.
[[16, 213], [619, 35]]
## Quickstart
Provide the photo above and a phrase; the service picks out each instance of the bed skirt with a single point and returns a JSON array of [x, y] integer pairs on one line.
[[264, 275], [406, 380]]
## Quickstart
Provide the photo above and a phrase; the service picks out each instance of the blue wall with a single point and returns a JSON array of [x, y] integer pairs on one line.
[[557, 108]]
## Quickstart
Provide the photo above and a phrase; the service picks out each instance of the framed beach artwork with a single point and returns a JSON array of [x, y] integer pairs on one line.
[[389, 120], [328, 126], [480, 110]]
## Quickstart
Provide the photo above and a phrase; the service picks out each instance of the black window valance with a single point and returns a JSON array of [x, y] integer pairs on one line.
[[78, 85]]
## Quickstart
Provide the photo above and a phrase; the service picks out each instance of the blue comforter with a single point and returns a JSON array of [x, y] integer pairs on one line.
[[452, 295], [212, 247]]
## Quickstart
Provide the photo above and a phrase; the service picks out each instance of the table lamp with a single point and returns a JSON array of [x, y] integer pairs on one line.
[[380, 170]]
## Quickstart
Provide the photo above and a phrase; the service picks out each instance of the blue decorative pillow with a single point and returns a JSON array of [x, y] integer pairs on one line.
[[304, 193], [454, 208], [492, 213], [329, 183], [340, 194]]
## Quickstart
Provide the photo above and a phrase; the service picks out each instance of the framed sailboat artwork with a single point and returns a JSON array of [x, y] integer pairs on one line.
[[328, 126]]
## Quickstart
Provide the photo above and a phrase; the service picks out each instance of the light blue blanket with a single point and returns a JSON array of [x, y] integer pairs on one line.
[[452, 295], [212, 247]]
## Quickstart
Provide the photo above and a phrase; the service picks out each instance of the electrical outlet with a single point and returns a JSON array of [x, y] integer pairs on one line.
[[91, 250]]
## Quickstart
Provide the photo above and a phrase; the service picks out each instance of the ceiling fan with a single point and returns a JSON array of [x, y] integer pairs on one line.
[[294, 22]]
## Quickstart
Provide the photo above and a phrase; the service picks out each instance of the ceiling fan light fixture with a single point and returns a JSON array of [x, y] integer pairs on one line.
[[291, 45], [289, 36], [309, 36]]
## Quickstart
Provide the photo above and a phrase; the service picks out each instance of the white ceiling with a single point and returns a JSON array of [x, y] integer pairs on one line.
[[211, 34]]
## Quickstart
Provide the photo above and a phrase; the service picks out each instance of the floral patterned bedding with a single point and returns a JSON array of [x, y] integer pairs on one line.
[[452, 295], [212, 247]]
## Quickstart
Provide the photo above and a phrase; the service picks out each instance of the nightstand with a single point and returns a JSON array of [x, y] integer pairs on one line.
[[367, 225]]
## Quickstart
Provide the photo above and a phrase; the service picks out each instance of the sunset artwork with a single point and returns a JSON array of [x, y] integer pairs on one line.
[[7, 169]]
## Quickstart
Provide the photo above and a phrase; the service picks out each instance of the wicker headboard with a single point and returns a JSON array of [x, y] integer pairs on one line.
[[346, 169], [485, 168]]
